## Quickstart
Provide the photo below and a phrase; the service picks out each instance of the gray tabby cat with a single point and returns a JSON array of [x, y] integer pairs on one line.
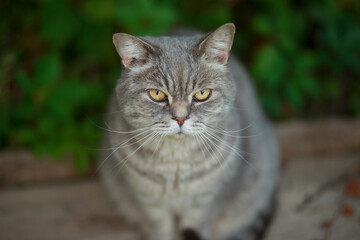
[[189, 147]]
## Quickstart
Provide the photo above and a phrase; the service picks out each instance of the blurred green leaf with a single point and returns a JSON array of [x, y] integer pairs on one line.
[[146, 17], [268, 66], [293, 94], [25, 135], [59, 23], [100, 10], [81, 161], [262, 25], [271, 103], [355, 103], [23, 81], [47, 70]]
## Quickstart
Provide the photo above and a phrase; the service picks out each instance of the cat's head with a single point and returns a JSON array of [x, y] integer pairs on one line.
[[176, 85]]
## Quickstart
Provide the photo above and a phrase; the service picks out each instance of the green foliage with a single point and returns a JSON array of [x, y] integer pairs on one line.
[[307, 61], [58, 65]]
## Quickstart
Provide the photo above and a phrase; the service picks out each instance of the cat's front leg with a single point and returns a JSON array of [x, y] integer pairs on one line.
[[160, 225]]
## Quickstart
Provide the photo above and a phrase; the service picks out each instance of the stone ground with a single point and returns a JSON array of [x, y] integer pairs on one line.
[[319, 194]]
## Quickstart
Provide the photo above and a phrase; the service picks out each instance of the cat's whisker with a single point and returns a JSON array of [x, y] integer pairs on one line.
[[121, 132], [222, 140], [123, 162], [111, 113], [110, 129], [156, 148], [200, 144], [221, 162], [122, 145], [206, 139], [108, 157], [226, 144], [203, 152], [233, 131], [217, 146], [237, 108], [234, 136]]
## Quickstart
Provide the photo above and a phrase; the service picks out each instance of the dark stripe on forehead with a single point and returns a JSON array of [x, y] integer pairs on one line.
[[190, 69], [164, 78], [201, 82], [181, 78], [169, 72], [153, 76], [195, 80], [183, 59]]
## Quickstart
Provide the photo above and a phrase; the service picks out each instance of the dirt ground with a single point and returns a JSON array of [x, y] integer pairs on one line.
[[319, 193]]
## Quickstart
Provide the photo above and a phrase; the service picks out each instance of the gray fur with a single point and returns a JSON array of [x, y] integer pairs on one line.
[[218, 183]]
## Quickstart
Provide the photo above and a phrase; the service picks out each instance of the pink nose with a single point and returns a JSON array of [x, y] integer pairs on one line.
[[180, 120]]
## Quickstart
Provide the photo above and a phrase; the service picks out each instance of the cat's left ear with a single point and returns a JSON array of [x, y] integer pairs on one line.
[[217, 45]]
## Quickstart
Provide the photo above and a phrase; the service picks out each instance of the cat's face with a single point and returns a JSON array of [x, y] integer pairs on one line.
[[176, 86]]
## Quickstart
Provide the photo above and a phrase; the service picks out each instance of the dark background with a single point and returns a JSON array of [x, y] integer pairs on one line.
[[58, 64]]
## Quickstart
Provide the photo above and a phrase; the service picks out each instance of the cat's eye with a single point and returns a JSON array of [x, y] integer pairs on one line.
[[202, 95], [157, 95]]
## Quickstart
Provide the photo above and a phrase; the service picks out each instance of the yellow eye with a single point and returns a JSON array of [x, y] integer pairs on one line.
[[157, 95], [202, 95]]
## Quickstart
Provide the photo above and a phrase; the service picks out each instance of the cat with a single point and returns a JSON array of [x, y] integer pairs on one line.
[[188, 147]]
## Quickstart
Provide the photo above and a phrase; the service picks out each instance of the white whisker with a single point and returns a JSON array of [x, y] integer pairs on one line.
[[122, 145], [233, 131], [110, 129], [226, 144], [114, 112], [226, 133], [124, 161], [222, 140], [204, 155], [200, 144], [213, 152], [156, 148]]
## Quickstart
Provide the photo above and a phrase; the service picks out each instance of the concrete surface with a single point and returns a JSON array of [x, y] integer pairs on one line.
[[313, 196], [68, 211]]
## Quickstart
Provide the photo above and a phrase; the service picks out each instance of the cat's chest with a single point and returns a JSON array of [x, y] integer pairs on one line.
[[174, 193], [178, 184], [175, 164]]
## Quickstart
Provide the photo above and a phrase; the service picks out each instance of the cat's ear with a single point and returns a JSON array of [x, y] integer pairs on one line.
[[132, 50], [217, 45]]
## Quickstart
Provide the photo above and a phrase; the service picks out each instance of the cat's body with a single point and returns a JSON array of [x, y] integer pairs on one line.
[[208, 165]]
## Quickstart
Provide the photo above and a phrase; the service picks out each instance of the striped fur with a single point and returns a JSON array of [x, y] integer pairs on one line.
[[216, 174]]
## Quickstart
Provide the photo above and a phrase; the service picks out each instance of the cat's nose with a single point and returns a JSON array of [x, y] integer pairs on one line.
[[180, 120]]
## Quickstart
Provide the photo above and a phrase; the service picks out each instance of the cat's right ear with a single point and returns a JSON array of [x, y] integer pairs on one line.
[[134, 52]]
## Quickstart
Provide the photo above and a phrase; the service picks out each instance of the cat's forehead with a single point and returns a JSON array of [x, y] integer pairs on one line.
[[176, 62]]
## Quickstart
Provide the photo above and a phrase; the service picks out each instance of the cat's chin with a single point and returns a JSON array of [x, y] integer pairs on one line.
[[178, 136]]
